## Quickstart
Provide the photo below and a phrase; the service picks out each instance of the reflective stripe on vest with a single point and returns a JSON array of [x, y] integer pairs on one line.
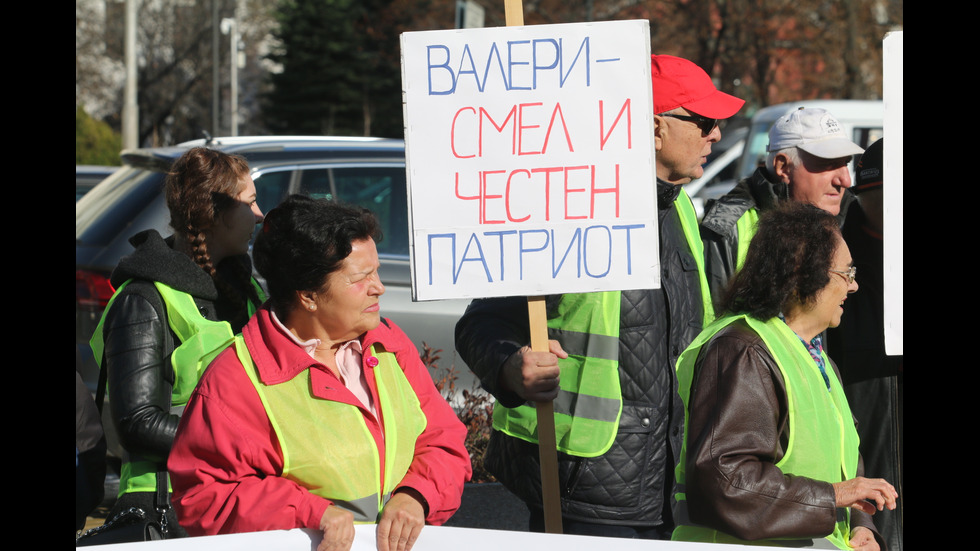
[[689, 223], [589, 402], [745, 230], [823, 442], [327, 446], [201, 340]]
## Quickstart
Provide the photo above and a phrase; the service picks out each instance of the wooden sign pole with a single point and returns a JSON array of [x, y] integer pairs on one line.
[[538, 321], [547, 448], [514, 13]]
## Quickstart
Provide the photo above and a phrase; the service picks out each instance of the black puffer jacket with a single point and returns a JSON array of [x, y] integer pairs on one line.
[[630, 484], [138, 343]]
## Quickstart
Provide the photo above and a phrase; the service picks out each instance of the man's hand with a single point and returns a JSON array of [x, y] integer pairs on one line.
[[533, 375], [401, 522], [338, 530], [863, 539], [854, 492]]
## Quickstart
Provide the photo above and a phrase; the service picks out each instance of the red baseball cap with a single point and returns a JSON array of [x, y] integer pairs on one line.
[[678, 82]]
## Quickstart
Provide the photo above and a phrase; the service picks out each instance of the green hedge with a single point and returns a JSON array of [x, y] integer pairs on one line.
[[95, 141]]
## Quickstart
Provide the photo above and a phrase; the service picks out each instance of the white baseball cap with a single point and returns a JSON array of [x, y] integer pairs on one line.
[[813, 130]]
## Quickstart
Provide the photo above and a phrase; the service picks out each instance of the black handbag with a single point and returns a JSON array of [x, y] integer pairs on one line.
[[133, 524]]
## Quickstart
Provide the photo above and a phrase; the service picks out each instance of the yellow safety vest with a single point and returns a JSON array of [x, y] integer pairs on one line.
[[823, 442], [201, 340], [589, 402], [745, 229], [327, 446], [689, 224]]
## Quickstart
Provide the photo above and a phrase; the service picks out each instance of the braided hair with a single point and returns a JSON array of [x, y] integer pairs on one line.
[[200, 186]]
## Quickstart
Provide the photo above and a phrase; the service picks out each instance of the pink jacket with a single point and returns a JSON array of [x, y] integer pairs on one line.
[[226, 463]]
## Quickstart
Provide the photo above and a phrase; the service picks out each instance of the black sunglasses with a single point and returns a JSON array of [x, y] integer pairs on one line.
[[704, 123]]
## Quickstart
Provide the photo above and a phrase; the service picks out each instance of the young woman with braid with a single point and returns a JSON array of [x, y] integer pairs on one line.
[[179, 301]]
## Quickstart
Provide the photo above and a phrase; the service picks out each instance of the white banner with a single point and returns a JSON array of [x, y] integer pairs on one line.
[[894, 192], [530, 160], [432, 538]]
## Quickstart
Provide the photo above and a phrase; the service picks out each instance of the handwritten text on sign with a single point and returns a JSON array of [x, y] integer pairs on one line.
[[530, 160]]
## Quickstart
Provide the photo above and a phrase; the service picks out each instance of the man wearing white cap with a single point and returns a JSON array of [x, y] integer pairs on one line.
[[807, 162]]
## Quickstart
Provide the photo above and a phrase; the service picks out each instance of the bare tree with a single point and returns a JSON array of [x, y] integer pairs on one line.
[[98, 76], [175, 64]]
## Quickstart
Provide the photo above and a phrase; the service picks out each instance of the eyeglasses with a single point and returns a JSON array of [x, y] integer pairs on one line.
[[848, 274], [704, 123]]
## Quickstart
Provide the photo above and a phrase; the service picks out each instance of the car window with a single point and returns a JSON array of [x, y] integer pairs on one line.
[[316, 183], [123, 196], [865, 136], [271, 188], [378, 189], [754, 154]]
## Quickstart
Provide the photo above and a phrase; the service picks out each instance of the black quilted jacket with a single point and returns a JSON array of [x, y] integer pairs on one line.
[[631, 484]]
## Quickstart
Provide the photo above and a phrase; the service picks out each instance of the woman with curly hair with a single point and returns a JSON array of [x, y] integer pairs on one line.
[[770, 453], [179, 301]]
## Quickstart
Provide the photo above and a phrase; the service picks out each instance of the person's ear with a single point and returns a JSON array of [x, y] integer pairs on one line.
[[307, 300], [782, 166], [659, 132]]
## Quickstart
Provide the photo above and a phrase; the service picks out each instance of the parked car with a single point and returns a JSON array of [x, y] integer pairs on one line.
[[87, 176], [369, 172]]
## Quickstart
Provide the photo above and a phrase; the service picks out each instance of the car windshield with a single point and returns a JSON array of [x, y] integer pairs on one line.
[[128, 191]]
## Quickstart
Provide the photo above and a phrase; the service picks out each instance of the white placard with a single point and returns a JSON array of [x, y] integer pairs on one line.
[[894, 193], [530, 160], [432, 538]]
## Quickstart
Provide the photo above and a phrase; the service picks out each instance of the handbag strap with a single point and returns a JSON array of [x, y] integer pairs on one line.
[[100, 389], [161, 501]]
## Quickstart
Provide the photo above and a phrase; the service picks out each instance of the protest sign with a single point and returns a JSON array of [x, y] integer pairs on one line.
[[530, 160]]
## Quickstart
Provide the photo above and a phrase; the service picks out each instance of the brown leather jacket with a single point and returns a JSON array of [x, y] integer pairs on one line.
[[738, 430]]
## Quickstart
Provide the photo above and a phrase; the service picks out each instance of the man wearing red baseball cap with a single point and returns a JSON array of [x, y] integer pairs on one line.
[[610, 369]]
